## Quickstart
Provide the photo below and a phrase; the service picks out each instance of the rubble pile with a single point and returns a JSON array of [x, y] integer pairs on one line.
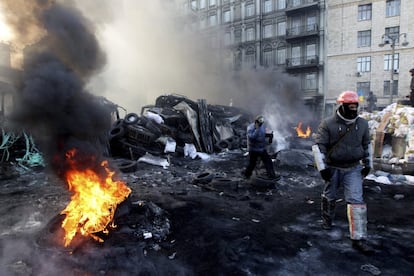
[[180, 126], [392, 132]]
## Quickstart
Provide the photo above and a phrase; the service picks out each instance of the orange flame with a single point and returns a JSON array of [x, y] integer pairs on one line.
[[301, 133], [93, 203]]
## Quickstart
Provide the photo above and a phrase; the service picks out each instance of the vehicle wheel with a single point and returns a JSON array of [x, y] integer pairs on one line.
[[131, 118]]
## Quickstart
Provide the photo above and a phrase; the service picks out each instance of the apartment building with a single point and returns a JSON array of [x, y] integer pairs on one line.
[[369, 47], [269, 34], [331, 46]]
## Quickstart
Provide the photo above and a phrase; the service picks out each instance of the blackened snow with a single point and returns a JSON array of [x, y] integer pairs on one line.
[[214, 229]]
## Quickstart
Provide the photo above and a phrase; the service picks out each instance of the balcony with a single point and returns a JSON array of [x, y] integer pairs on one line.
[[302, 62], [301, 5], [302, 31]]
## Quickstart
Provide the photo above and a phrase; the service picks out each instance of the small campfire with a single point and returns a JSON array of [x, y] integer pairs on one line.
[[94, 200], [303, 134]]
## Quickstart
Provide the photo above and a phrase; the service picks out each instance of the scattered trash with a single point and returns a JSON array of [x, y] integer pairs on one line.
[[398, 196], [371, 269]]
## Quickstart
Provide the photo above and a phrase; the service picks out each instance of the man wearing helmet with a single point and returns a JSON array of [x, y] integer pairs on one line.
[[256, 139], [343, 157]]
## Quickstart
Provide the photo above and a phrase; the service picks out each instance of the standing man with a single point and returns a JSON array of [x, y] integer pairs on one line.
[[412, 87], [256, 139], [372, 102], [343, 157]]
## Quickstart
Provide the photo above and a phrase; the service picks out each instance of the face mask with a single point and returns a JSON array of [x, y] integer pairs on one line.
[[348, 113]]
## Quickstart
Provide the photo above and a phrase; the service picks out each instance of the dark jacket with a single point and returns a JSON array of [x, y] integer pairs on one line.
[[256, 138], [351, 149]]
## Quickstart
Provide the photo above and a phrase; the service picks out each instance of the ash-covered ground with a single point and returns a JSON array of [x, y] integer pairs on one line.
[[226, 226]]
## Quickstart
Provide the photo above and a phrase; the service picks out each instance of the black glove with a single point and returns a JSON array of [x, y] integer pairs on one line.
[[365, 171], [326, 174]]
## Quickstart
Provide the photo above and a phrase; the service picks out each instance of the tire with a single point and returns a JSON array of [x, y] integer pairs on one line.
[[203, 178], [126, 166], [223, 145], [116, 132], [130, 119], [263, 182], [222, 183]]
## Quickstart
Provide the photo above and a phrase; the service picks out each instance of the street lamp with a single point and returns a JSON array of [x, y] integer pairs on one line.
[[391, 40]]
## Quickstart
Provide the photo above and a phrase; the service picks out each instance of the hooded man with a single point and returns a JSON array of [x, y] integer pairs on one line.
[[343, 157]]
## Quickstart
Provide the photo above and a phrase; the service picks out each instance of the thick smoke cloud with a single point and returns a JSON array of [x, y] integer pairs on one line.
[[52, 102], [153, 50]]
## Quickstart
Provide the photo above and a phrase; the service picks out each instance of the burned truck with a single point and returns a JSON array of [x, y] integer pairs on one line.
[[175, 121]]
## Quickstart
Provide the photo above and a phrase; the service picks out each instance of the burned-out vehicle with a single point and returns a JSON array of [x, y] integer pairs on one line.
[[175, 121]]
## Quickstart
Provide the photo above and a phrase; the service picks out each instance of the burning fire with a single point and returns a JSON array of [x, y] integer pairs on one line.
[[94, 200], [301, 133]]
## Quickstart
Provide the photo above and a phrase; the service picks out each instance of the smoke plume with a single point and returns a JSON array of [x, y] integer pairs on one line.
[[60, 57]]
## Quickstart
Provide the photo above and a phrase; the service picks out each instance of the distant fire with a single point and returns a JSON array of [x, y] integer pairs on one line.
[[303, 134], [94, 200]]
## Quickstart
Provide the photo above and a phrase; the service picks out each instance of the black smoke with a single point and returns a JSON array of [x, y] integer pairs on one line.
[[52, 102]]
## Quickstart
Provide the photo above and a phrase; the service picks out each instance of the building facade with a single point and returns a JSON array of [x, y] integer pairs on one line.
[[331, 46], [370, 47], [269, 34]]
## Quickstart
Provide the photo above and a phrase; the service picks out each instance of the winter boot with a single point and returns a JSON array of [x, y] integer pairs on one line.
[[357, 218], [328, 212]]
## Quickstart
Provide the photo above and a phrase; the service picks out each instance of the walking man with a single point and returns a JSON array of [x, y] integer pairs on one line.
[[256, 138], [343, 157]]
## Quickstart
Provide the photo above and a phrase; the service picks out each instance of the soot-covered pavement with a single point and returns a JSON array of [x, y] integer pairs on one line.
[[192, 226]]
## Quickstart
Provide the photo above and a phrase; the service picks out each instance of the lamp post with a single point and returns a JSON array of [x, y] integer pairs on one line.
[[391, 40]]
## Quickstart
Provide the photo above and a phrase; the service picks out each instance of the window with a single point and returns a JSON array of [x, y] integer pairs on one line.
[[250, 57], [364, 64], [227, 39], [202, 4], [392, 8], [281, 28], [364, 38], [250, 10], [364, 12], [310, 81], [237, 36], [311, 54], [194, 5], [214, 42], [393, 33], [311, 23], [212, 20], [267, 56], [363, 88], [388, 60], [250, 34], [296, 3], [268, 31], [281, 56], [296, 56], [212, 2], [281, 4], [203, 22], [226, 16], [387, 88], [268, 6], [296, 21]]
